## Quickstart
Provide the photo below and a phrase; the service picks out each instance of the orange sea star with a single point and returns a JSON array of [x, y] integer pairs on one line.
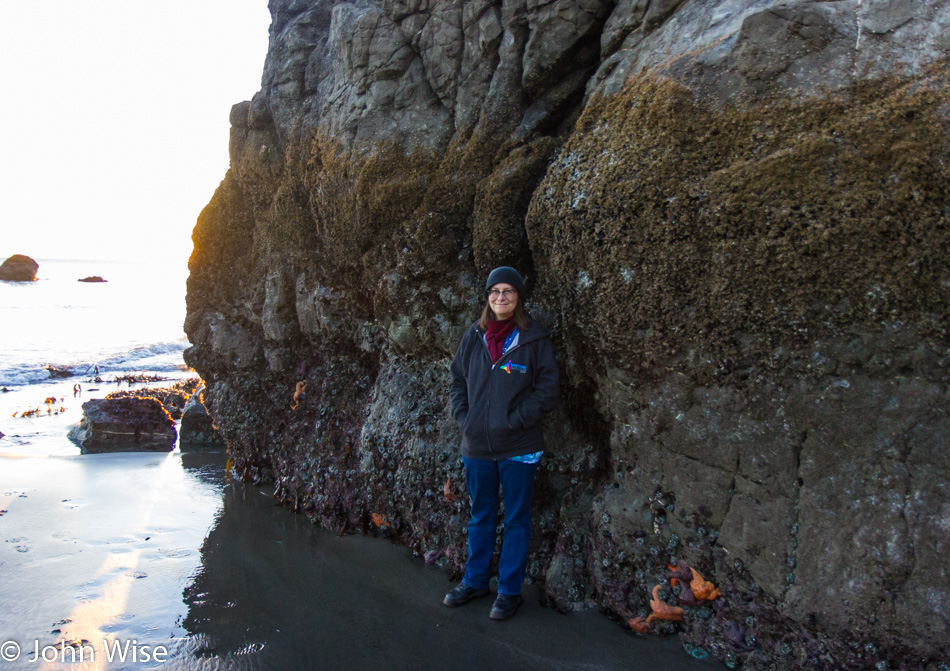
[[662, 610], [703, 589]]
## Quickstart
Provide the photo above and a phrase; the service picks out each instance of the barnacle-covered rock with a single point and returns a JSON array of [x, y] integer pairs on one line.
[[197, 426], [734, 215], [127, 424]]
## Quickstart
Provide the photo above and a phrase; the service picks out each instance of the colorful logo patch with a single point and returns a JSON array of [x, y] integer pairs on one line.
[[509, 367]]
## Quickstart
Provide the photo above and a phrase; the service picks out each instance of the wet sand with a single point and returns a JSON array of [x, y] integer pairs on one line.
[[163, 552], [99, 547]]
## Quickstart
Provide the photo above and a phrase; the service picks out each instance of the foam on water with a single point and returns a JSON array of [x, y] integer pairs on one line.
[[132, 322], [158, 358]]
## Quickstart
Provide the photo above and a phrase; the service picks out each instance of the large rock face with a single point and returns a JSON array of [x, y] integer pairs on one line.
[[19, 268], [734, 215]]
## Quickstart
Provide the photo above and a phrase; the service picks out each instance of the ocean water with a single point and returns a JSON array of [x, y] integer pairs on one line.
[[132, 322]]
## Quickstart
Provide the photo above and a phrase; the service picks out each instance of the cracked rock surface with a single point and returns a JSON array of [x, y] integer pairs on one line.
[[734, 215]]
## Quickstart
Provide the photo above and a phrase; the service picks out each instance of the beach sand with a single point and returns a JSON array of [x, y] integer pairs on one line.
[[162, 553]]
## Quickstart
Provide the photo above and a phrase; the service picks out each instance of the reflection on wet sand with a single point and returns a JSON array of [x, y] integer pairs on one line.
[[274, 592], [96, 551], [85, 625], [161, 550]]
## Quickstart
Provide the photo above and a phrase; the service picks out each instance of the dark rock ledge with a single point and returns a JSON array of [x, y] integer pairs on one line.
[[129, 424], [144, 420]]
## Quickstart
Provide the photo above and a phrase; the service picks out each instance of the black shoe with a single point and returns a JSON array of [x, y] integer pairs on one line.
[[505, 606], [462, 594]]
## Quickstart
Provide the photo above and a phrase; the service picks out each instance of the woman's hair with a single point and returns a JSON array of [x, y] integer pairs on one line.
[[522, 321]]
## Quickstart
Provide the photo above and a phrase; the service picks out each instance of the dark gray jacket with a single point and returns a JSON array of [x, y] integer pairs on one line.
[[499, 406]]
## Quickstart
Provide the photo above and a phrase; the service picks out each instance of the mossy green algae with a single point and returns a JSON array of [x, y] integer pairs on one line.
[[727, 233]]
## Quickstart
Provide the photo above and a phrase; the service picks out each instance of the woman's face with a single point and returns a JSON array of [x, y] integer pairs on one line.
[[503, 298]]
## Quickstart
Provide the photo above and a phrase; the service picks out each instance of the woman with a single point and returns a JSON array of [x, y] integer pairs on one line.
[[504, 379]]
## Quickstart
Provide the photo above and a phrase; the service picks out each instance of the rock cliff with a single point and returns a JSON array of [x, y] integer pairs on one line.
[[733, 214]]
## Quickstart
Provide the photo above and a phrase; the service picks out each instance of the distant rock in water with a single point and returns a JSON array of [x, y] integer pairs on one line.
[[19, 268], [93, 278], [59, 372], [124, 425], [197, 426]]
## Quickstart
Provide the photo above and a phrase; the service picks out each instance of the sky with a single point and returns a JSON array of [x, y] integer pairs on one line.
[[115, 120]]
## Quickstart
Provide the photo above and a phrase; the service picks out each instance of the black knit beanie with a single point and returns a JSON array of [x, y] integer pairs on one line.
[[508, 275]]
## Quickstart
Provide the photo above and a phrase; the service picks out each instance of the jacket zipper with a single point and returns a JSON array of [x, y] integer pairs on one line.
[[481, 339], [507, 352], [488, 354]]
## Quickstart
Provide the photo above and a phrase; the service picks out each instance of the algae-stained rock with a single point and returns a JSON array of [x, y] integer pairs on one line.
[[735, 215], [197, 426], [173, 398], [19, 268], [129, 424]]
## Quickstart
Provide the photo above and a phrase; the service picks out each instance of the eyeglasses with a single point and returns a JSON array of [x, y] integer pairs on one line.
[[507, 293]]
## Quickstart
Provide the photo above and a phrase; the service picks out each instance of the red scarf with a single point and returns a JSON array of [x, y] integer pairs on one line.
[[496, 334]]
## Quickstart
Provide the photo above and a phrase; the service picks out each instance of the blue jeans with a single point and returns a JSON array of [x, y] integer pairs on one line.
[[483, 476]]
